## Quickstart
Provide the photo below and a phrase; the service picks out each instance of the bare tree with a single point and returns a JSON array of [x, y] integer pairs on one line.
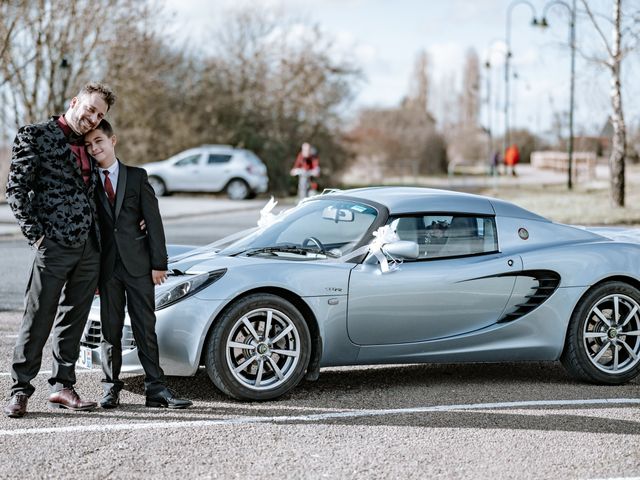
[[403, 140], [275, 82], [266, 88], [624, 38], [50, 47], [470, 97], [419, 82]]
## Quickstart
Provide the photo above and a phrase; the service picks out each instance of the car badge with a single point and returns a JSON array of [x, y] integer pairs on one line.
[[523, 233]]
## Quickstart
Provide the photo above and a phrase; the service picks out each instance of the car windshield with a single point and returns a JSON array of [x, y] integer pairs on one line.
[[323, 228]]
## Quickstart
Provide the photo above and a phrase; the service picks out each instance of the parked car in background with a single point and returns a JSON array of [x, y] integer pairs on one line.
[[210, 168], [476, 279]]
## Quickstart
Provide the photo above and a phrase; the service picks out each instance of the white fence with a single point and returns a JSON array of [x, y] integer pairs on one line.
[[583, 165]]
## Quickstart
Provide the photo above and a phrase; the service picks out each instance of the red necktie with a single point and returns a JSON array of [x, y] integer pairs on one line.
[[108, 188]]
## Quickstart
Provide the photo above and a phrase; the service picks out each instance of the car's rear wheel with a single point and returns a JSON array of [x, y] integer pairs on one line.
[[238, 189], [603, 340], [259, 349], [158, 185]]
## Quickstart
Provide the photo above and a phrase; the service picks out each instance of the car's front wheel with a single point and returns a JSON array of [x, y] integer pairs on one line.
[[158, 185], [259, 348], [237, 189], [603, 340]]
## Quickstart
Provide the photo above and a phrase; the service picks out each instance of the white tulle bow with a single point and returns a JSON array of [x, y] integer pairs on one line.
[[383, 236], [266, 217]]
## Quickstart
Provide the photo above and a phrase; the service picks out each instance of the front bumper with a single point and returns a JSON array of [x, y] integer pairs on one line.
[[259, 184], [92, 336], [181, 330]]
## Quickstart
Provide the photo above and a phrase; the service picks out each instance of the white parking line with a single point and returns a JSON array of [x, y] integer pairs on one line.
[[48, 372], [314, 417]]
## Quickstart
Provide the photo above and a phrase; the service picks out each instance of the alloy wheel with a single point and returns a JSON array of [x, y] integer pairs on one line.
[[263, 349], [611, 334]]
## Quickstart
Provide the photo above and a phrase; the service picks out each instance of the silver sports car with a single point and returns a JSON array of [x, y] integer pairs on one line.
[[394, 275]]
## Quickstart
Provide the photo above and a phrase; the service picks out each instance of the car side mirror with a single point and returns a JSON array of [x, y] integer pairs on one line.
[[402, 249]]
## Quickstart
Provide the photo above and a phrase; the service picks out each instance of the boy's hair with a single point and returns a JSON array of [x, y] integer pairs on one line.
[[100, 88], [105, 127]]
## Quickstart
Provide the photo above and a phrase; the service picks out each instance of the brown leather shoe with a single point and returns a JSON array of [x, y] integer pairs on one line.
[[68, 398], [17, 406]]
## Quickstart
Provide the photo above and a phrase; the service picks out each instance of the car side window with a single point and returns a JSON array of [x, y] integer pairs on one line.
[[190, 160], [449, 235], [217, 158]]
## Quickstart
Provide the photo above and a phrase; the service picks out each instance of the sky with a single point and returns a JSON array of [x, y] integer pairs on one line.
[[385, 36]]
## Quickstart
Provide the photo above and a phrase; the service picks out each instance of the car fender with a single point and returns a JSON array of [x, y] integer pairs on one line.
[[585, 264], [322, 287]]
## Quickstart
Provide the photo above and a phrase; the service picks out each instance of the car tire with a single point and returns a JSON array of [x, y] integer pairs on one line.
[[238, 189], [259, 348], [602, 344], [158, 185]]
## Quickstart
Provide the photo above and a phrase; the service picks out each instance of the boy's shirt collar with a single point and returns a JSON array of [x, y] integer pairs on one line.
[[113, 169]]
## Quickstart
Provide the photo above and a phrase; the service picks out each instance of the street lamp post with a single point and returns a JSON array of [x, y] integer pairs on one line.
[[572, 44], [489, 98], [534, 21], [487, 66]]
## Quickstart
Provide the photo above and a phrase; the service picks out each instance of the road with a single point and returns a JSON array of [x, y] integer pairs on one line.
[[414, 421]]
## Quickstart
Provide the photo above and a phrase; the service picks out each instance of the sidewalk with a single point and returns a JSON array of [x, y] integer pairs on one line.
[[170, 208]]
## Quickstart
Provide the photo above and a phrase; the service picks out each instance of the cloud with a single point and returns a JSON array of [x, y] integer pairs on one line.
[[446, 58]]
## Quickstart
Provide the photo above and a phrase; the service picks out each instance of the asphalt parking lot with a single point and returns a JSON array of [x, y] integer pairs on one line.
[[413, 421]]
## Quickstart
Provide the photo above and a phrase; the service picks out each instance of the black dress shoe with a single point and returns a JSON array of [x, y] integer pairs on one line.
[[167, 399], [17, 406], [111, 399]]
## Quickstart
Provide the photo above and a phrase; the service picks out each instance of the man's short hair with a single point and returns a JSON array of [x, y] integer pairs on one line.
[[100, 88], [105, 127]]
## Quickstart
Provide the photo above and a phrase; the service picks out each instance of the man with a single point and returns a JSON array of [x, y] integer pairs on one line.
[[306, 166], [131, 263], [51, 192]]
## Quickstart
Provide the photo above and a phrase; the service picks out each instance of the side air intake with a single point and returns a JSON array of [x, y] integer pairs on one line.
[[547, 282]]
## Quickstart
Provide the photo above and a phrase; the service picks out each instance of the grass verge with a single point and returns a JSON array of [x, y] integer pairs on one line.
[[580, 206]]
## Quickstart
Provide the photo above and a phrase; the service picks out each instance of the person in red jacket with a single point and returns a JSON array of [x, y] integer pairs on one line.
[[511, 158], [306, 166]]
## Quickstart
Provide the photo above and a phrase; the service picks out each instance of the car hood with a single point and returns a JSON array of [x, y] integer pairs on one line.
[[307, 278]]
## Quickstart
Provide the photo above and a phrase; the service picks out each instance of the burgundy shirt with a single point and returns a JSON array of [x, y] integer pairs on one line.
[[78, 150]]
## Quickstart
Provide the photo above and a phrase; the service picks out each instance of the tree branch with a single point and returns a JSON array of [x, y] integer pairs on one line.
[[597, 27]]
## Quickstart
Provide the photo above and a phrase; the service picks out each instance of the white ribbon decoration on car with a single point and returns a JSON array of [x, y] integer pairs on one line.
[[266, 217], [383, 236]]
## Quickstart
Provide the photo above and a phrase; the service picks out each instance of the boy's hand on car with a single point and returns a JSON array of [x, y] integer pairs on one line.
[[158, 276]]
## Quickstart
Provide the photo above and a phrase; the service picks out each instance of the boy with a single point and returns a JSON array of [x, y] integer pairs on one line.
[[131, 264]]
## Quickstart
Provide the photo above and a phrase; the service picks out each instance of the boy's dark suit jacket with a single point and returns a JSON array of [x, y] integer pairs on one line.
[[139, 251]]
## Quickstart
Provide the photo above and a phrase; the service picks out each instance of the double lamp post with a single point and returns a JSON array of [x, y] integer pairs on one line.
[[542, 22]]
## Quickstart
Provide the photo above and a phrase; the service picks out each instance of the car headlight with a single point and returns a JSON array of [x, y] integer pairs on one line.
[[187, 288]]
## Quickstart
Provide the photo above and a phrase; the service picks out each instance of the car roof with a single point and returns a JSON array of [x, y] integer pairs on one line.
[[405, 200]]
